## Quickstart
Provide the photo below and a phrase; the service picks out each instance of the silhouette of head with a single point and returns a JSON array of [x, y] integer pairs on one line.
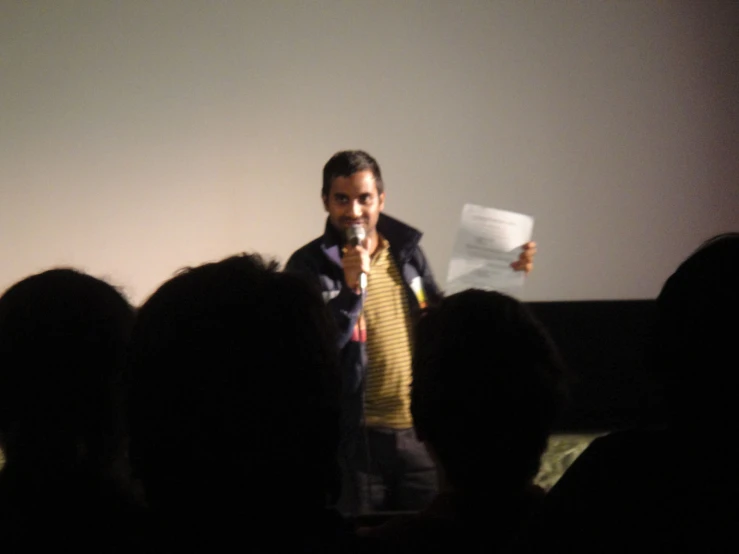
[[487, 385], [63, 336], [694, 348], [234, 392]]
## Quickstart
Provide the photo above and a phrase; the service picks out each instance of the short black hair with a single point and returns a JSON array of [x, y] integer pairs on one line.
[[696, 328], [347, 163], [63, 340], [234, 389], [486, 375]]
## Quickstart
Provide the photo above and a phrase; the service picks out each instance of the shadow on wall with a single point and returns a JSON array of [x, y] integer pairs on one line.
[[604, 345]]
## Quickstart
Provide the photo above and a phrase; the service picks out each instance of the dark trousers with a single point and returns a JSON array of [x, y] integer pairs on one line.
[[386, 470]]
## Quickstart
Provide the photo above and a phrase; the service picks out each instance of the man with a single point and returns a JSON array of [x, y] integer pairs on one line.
[[234, 411], [386, 468], [485, 419], [63, 340], [672, 488]]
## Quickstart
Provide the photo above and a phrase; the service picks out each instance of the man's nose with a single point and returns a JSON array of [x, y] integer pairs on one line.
[[355, 209]]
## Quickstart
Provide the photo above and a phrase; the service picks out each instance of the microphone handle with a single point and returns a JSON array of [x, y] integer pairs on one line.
[[354, 241]]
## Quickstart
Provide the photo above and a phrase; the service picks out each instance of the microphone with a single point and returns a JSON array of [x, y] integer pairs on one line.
[[355, 235]]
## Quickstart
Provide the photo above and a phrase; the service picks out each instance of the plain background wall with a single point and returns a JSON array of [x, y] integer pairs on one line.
[[137, 137]]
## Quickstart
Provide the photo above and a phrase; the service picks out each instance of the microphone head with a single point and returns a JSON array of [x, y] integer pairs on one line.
[[355, 235]]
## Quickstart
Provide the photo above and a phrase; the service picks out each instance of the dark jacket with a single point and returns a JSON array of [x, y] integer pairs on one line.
[[321, 259]]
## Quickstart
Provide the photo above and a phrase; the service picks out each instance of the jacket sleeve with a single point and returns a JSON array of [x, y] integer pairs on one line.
[[433, 293], [344, 308]]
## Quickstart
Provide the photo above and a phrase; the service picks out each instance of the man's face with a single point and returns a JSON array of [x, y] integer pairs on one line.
[[354, 200]]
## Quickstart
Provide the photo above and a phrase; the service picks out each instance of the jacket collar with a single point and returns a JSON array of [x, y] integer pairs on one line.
[[403, 238]]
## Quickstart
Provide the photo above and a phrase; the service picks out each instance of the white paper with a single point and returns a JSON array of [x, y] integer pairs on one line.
[[488, 241]]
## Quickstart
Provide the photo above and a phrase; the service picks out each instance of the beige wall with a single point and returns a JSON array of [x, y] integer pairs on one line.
[[140, 136]]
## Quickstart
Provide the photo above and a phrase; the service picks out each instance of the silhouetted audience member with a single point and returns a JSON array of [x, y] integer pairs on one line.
[[234, 411], [63, 336], [487, 385], [673, 489]]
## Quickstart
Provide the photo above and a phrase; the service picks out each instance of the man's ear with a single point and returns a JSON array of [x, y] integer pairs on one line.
[[382, 201], [324, 197]]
